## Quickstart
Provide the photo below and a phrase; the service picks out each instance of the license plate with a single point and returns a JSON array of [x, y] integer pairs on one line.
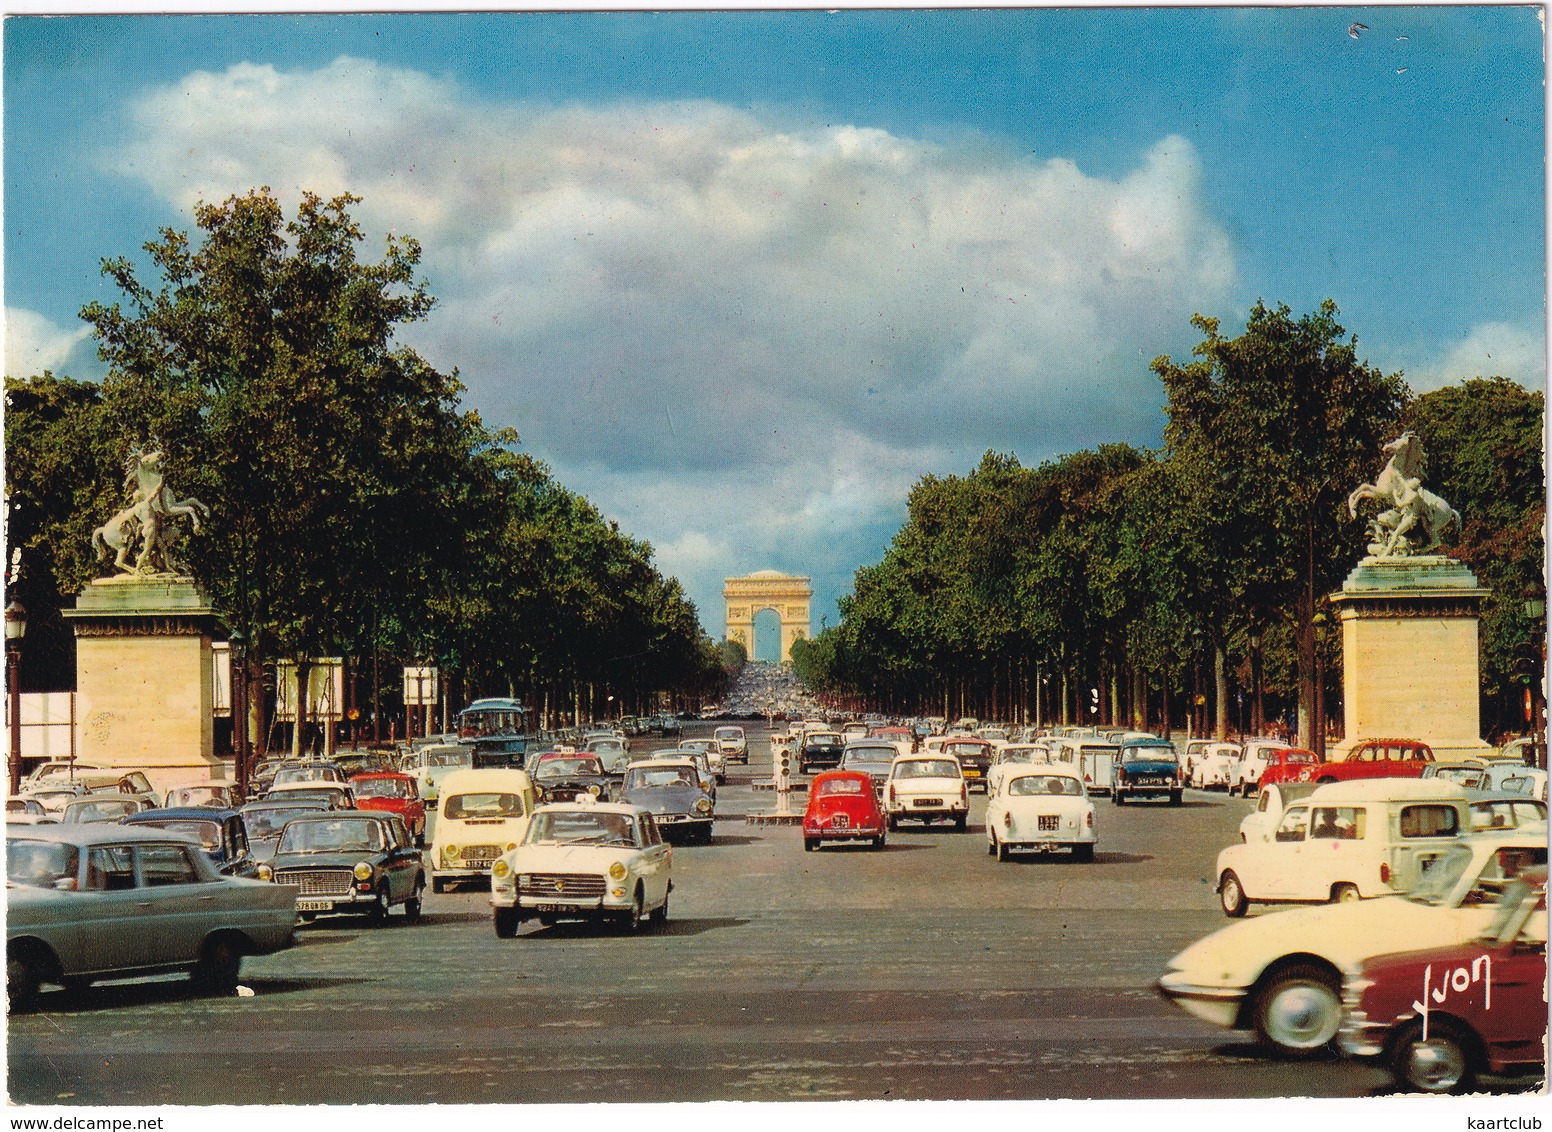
[[840, 821], [551, 908], [315, 905], [479, 864], [927, 802], [972, 772]]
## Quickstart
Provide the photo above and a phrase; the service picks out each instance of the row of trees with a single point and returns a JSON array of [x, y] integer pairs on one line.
[[357, 510], [1189, 585]]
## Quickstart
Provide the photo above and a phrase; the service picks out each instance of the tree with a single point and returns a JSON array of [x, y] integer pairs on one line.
[[1272, 429]]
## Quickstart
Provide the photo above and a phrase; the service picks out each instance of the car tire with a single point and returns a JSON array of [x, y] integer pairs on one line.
[[414, 905], [1231, 895], [879, 841], [219, 967], [1117, 798], [894, 824], [1003, 852], [660, 913], [1326, 781], [23, 980], [506, 922], [438, 884], [1299, 1011], [1174, 798], [991, 844], [1345, 894], [1084, 851], [377, 914], [632, 921], [1445, 1063], [961, 822], [810, 844]]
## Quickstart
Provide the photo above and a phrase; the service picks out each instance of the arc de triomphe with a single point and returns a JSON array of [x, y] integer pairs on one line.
[[788, 596]]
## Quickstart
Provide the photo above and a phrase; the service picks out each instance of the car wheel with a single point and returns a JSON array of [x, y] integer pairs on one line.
[[1003, 852], [1083, 851], [412, 906], [378, 912], [438, 884], [1117, 797], [507, 921], [1443, 1064], [1231, 894], [1345, 894], [878, 842], [991, 843], [634, 918], [660, 914], [218, 968], [23, 976], [1174, 798], [1299, 1011], [961, 822], [810, 844], [894, 824], [1326, 781]]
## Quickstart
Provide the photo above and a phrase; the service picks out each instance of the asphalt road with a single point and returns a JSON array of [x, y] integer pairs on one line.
[[926, 971]]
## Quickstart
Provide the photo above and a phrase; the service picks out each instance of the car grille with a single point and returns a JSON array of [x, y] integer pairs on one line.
[[579, 885], [1049, 823], [480, 854], [317, 882]]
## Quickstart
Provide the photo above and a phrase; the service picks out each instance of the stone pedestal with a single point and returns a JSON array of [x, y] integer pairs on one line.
[[1410, 667], [145, 685]]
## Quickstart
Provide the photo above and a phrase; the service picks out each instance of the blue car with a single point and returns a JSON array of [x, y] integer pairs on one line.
[[1147, 769], [220, 832]]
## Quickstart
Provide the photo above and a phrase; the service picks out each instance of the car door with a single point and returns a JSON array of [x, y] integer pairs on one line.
[[107, 908], [399, 864], [1281, 858], [180, 905], [654, 861]]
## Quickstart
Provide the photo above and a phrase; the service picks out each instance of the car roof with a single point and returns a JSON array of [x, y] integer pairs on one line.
[[100, 833], [196, 813], [598, 807], [655, 761], [1045, 770], [483, 777], [381, 774], [858, 776], [1390, 790], [336, 815]]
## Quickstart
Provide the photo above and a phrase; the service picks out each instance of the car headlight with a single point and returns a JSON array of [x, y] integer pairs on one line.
[[363, 870], [703, 806], [594, 790], [266, 873], [449, 854], [500, 869], [617, 871]]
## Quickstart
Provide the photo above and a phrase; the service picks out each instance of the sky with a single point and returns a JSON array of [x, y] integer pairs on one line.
[[743, 278]]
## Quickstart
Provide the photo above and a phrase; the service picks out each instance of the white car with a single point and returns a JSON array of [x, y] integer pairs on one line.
[[1531, 781], [1040, 809], [1246, 773], [1282, 975], [1346, 841], [1013, 758], [1261, 822], [1213, 767], [733, 743], [926, 788], [429, 765], [481, 815], [581, 861]]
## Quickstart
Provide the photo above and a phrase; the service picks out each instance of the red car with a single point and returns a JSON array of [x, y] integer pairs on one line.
[[1374, 758], [1288, 764], [1438, 1018], [393, 793], [843, 807]]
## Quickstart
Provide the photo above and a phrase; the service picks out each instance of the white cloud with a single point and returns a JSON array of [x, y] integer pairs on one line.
[[1489, 349], [34, 344], [732, 329]]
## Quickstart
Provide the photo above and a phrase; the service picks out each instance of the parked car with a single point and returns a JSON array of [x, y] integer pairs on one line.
[[1040, 809], [1344, 842], [843, 806], [1281, 975], [218, 793], [1375, 758], [264, 820], [820, 750], [669, 726], [1532, 782], [1287, 764], [1213, 766], [670, 789], [21, 810], [1013, 757], [1498, 809], [390, 792], [564, 778], [1261, 823], [88, 902], [104, 807], [872, 757], [481, 815], [1257, 755], [52, 772], [926, 788], [975, 758], [1147, 769], [1440, 1016], [221, 833], [349, 864], [584, 861]]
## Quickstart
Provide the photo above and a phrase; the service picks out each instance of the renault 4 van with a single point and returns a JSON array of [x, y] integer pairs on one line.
[[481, 815]]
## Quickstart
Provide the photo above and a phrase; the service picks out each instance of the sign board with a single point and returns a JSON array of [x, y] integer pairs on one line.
[[325, 689], [420, 686]]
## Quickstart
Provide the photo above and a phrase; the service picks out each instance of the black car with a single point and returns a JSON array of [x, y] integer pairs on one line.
[[670, 790], [349, 861], [221, 833], [565, 778], [822, 750], [264, 820], [1147, 770]]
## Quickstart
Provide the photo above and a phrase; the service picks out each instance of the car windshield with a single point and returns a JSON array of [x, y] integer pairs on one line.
[[563, 768], [1506, 813], [581, 827], [306, 774], [111, 810], [485, 804], [1468, 776], [268, 822], [382, 788], [1151, 754], [207, 833], [927, 768], [39, 864], [659, 776], [609, 746], [195, 795], [334, 836], [450, 758], [1028, 784], [729, 733], [964, 749], [841, 786], [869, 756]]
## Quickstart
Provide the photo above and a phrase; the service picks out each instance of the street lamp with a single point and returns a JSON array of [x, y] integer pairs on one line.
[[237, 674], [15, 630]]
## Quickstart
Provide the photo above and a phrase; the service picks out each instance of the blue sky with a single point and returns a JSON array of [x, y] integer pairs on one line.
[[743, 277]]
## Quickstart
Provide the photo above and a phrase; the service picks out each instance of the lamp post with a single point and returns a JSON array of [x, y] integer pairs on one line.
[[1535, 610], [15, 630], [237, 673]]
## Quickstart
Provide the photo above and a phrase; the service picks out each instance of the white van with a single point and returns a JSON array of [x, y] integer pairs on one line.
[[1345, 841], [1092, 758], [481, 815]]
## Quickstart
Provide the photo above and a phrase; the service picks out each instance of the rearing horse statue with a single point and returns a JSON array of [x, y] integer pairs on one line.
[[1400, 485], [145, 521]]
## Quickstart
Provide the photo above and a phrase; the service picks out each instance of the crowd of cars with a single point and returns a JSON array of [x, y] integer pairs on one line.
[[1401, 901]]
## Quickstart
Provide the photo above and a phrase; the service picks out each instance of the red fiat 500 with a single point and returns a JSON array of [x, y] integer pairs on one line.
[[395, 794], [1288, 764], [843, 807]]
